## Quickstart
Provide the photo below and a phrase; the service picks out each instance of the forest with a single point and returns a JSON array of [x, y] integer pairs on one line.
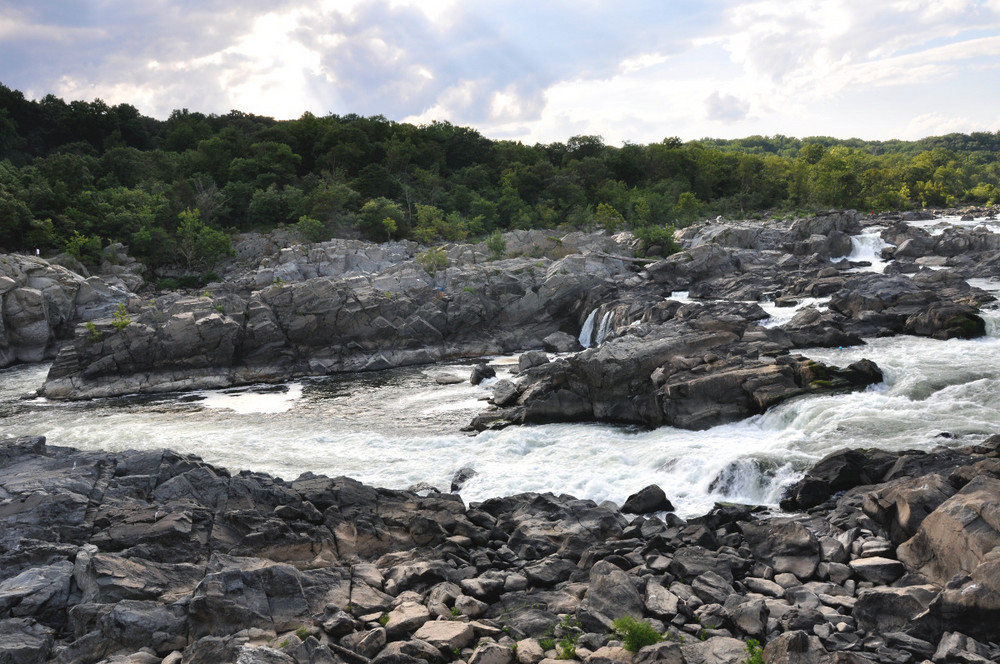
[[76, 176]]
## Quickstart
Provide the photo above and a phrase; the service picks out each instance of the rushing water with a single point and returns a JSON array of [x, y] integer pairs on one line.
[[401, 428]]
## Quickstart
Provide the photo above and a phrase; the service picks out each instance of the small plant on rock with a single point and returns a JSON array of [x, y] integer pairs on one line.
[[93, 334], [433, 260], [755, 654], [383, 619], [303, 633], [120, 318], [636, 634]]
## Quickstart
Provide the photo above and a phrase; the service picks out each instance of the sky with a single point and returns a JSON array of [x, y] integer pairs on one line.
[[537, 71]]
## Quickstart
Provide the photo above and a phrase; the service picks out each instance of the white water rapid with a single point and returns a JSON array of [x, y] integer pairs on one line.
[[400, 428]]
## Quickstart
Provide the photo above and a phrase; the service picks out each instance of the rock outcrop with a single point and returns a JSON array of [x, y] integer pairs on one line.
[[154, 556], [41, 303]]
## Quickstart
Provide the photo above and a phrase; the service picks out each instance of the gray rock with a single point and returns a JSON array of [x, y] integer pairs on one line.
[[796, 647], [882, 571], [787, 546], [891, 609]]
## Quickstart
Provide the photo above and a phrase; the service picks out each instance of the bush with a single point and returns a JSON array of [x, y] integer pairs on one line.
[[120, 318], [636, 634], [433, 260], [755, 654], [497, 244]]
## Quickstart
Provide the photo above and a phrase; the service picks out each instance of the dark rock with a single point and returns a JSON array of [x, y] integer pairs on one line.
[[481, 372], [787, 546], [461, 476], [647, 500], [532, 358]]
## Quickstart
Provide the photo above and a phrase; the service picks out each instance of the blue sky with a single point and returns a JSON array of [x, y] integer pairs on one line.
[[536, 71]]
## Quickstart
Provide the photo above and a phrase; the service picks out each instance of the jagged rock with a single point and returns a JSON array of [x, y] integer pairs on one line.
[[491, 653], [715, 650], [956, 537], [611, 595], [560, 342], [891, 609], [786, 546], [405, 619], [957, 647]]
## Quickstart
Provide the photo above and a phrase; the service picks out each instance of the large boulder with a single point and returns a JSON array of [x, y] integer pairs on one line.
[[957, 536]]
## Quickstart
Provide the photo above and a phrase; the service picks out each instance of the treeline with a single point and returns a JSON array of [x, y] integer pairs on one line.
[[75, 176]]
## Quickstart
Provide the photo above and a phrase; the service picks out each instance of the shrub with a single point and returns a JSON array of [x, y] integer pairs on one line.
[[497, 245], [303, 633], [433, 260], [755, 654], [636, 634], [93, 334], [120, 318]]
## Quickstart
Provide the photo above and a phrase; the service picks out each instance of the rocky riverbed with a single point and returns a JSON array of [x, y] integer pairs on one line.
[[158, 557]]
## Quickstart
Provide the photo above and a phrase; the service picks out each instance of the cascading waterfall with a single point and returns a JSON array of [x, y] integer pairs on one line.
[[867, 247], [587, 332], [605, 327]]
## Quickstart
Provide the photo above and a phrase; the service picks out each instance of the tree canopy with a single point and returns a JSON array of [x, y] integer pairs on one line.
[[82, 174]]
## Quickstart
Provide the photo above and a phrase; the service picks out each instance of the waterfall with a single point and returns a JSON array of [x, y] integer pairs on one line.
[[587, 333], [605, 327]]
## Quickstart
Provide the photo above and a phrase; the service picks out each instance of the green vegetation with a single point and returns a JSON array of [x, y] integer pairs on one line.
[[433, 260], [383, 619], [76, 176], [636, 634], [755, 654], [120, 318], [497, 245], [93, 334], [303, 633]]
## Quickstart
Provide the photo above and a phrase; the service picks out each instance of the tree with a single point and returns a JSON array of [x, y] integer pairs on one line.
[[372, 216], [198, 243]]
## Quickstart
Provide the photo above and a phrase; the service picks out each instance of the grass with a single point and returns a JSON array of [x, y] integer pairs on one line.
[[755, 654], [636, 634]]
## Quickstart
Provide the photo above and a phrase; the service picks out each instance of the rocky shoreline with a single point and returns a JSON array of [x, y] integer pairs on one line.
[[153, 556]]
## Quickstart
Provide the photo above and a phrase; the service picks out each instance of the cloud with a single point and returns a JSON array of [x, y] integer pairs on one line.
[[528, 70], [725, 108]]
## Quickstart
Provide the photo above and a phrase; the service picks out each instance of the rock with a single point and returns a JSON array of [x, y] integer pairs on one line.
[[560, 342], [505, 392], [711, 588], [891, 609], [262, 655], [957, 647], [461, 476], [647, 500], [446, 635], [796, 647], [405, 619], [24, 641], [973, 605], [715, 650], [881, 571], [611, 595], [787, 546], [956, 537], [481, 372], [532, 358], [491, 653], [660, 601]]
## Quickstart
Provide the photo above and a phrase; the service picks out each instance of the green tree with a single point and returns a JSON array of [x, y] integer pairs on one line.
[[198, 243]]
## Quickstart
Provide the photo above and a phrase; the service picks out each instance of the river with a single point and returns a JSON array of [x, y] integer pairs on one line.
[[401, 428]]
